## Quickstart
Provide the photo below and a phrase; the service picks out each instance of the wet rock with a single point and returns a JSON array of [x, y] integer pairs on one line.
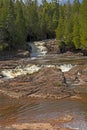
[[47, 83], [77, 74], [15, 54], [66, 129], [52, 47], [77, 78], [64, 50], [80, 89], [62, 119], [65, 118], [72, 53], [31, 126], [35, 126], [77, 97], [23, 54]]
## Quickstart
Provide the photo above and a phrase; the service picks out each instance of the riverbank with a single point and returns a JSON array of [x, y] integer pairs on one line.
[[47, 47]]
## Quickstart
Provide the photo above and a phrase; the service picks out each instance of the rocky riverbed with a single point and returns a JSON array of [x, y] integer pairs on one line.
[[53, 77], [41, 81], [45, 77], [47, 83]]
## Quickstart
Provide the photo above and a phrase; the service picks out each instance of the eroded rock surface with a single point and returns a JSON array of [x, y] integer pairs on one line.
[[35, 126], [47, 83], [52, 47], [77, 78]]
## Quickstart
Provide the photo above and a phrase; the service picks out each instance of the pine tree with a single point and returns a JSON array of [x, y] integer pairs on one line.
[[83, 23], [68, 24], [60, 27], [20, 25], [1, 22], [10, 25], [76, 24], [43, 19], [7, 26], [31, 17]]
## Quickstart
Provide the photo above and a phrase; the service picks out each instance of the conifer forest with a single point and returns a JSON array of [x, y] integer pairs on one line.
[[29, 20]]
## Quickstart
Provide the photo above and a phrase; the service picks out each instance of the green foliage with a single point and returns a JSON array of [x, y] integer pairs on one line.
[[68, 24], [60, 28], [20, 25], [76, 24], [72, 24], [48, 18], [83, 23], [22, 21]]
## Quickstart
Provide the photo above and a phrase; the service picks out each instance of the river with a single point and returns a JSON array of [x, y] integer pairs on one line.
[[28, 110], [32, 110]]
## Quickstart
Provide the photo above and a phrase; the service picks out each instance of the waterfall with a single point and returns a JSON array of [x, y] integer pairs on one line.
[[38, 49]]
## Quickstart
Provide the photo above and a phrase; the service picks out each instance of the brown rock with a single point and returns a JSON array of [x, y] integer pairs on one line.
[[23, 54], [35, 126], [66, 129], [77, 75], [47, 83], [66, 118], [31, 126], [52, 47]]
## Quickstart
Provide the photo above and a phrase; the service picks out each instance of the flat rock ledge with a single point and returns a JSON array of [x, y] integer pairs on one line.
[[35, 126], [52, 124], [46, 83]]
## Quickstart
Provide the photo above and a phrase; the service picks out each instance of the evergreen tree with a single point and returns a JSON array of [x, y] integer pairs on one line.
[[7, 26], [60, 27], [21, 20], [20, 24], [10, 25], [1, 22], [83, 23], [76, 24], [43, 18], [48, 16], [31, 17], [68, 24]]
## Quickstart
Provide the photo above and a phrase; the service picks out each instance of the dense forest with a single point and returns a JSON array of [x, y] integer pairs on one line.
[[22, 21]]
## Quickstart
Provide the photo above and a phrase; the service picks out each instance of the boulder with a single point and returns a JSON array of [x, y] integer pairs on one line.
[[52, 47], [77, 77]]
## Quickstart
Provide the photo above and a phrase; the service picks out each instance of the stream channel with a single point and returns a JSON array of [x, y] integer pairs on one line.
[[28, 110]]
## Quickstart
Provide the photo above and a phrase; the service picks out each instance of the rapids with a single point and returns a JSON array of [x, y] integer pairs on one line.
[[29, 69], [28, 110]]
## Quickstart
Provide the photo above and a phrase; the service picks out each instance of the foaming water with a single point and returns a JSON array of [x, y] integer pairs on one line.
[[66, 67], [30, 110], [39, 60], [32, 68], [38, 49]]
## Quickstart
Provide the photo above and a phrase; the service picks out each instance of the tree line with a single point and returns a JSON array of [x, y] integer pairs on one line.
[[72, 25], [22, 21]]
